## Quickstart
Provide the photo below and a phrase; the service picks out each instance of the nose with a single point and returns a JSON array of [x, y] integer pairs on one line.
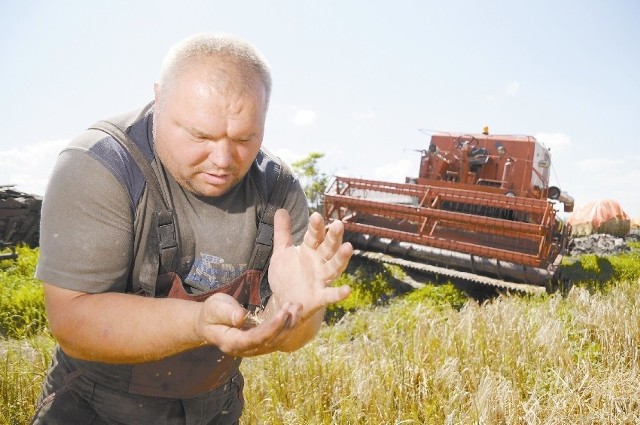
[[220, 154]]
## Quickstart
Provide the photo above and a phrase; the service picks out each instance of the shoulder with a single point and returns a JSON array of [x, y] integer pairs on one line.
[[116, 159]]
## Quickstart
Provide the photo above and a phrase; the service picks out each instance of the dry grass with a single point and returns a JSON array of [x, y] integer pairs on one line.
[[23, 364], [512, 361]]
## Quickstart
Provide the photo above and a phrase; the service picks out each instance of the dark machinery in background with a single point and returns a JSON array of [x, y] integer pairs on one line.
[[19, 220]]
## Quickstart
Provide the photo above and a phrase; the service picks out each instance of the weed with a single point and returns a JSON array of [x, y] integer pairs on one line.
[[21, 296]]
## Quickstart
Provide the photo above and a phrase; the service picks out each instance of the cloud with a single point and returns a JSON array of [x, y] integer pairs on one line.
[[597, 178], [557, 143], [304, 117], [513, 88], [601, 165], [394, 171], [491, 98], [602, 183], [29, 167]]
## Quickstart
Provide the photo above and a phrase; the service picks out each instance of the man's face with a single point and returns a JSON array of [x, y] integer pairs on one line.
[[207, 132]]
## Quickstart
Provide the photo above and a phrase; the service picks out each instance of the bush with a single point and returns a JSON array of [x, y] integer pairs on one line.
[[439, 296], [370, 285], [22, 310], [373, 284], [599, 273]]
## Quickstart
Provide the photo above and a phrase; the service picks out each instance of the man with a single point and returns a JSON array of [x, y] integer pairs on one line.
[[172, 357]]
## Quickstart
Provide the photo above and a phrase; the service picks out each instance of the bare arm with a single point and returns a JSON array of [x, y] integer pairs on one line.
[[124, 328]]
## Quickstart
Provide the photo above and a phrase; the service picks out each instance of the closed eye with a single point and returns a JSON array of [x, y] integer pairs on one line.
[[196, 136], [245, 139]]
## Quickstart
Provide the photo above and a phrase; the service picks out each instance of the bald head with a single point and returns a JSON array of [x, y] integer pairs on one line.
[[234, 64]]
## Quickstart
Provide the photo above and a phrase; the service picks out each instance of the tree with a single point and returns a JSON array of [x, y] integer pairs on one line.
[[313, 181]]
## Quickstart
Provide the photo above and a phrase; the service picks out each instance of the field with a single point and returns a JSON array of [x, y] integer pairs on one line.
[[430, 356]]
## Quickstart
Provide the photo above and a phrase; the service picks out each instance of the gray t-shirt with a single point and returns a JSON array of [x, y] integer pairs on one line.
[[96, 195]]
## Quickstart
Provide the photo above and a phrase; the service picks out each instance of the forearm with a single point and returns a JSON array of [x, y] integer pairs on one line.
[[121, 328], [304, 331]]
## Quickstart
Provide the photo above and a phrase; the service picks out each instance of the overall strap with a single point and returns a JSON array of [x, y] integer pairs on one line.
[[264, 239], [164, 238]]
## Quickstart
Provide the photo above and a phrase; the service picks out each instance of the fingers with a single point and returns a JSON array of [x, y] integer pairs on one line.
[[332, 240], [340, 260], [330, 251], [325, 241], [224, 327], [264, 338], [334, 295], [223, 309], [314, 235]]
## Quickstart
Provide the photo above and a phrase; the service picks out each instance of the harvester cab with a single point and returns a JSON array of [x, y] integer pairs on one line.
[[481, 205], [513, 165]]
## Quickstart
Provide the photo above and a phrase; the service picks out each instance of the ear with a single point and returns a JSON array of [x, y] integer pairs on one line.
[[156, 91]]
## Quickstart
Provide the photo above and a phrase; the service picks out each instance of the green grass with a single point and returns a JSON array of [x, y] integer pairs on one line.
[[21, 298], [597, 273], [427, 356]]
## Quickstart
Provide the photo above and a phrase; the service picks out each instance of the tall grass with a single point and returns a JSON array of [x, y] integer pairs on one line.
[[428, 357], [553, 360], [25, 347], [23, 364], [21, 296]]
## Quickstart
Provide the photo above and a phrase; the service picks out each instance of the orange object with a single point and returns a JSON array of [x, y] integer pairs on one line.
[[487, 196], [597, 213]]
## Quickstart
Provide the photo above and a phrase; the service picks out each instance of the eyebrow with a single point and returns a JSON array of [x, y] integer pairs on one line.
[[195, 131], [204, 135], [247, 137]]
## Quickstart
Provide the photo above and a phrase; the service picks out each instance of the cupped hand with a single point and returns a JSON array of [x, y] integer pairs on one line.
[[304, 274], [223, 322]]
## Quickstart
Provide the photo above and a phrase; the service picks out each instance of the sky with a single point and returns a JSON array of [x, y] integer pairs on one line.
[[354, 80]]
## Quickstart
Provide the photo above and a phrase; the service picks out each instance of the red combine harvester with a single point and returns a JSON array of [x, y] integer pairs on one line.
[[480, 210]]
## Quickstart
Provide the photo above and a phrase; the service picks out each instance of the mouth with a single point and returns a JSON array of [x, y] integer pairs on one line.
[[217, 178]]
